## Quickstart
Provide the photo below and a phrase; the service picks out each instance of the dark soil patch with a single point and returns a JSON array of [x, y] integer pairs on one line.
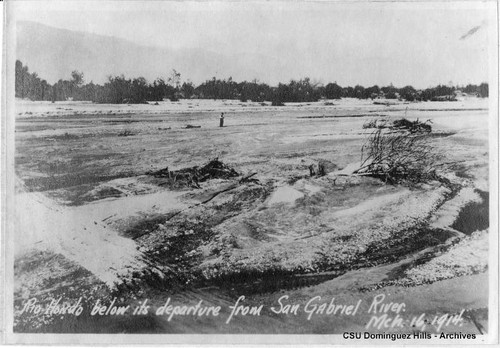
[[440, 134], [395, 249], [400, 272], [66, 280], [147, 226], [127, 121], [68, 180], [387, 251], [106, 192], [462, 172], [474, 216], [174, 254], [271, 281]]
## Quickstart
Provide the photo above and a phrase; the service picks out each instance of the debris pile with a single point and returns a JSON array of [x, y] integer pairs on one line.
[[126, 133], [192, 176], [401, 124], [413, 127], [320, 172]]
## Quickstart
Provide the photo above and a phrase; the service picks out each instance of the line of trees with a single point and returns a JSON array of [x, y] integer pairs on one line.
[[29, 85], [119, 89]]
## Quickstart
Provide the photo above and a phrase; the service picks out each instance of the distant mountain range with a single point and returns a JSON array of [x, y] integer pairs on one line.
[[53, 53]]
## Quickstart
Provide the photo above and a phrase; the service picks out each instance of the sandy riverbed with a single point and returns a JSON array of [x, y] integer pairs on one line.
[[87, 206]]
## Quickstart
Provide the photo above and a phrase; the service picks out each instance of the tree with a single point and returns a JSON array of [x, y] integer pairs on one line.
[[19, 79], [333, 91], [45, 88], [77, 78], [187, 89], [359, 91], [408, 93], [75, 83], [138, 91], [22, 82], [372, 92], [175, 79], [483, 90], [348, 92]]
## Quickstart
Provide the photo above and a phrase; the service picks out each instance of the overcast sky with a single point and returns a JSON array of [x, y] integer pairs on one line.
[[367, 43]]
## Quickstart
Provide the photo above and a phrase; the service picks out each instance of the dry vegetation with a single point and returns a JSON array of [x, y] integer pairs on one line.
[[398, 156]]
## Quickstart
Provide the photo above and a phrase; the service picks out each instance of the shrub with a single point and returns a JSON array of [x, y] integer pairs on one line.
[[398, 156]]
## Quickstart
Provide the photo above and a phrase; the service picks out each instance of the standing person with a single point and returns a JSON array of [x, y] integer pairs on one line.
[[221, 124]]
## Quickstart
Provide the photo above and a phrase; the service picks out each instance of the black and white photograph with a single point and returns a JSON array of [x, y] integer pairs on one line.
[[265, 172]]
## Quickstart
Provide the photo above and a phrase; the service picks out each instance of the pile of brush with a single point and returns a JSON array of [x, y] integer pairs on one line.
[[398, 156], [192, 176], [401, 124]]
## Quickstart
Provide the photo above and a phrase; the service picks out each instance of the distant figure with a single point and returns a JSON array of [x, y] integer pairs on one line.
[[221, 124]]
